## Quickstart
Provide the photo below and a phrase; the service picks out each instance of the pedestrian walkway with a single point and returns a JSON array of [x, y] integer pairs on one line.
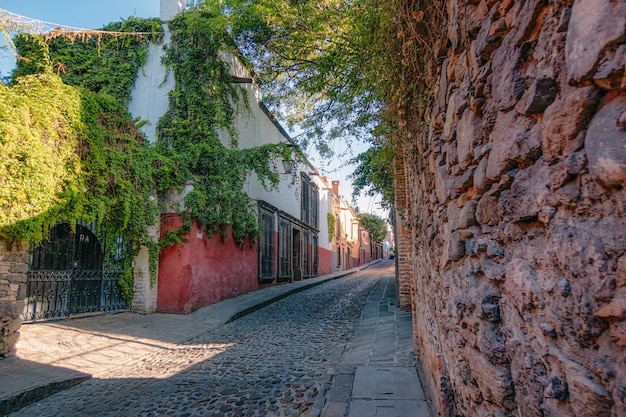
[[376, 375], [54, 356]]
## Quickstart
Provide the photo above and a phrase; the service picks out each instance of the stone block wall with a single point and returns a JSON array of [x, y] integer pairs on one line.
[[517, 207], [146, 289], [13, 269]]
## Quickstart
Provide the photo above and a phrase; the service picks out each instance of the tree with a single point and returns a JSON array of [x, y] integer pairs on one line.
[[374, 173], [376, 226], [320, 62], [342, 70]]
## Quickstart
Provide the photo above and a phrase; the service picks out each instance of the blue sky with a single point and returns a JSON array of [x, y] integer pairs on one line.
[[91, 14]]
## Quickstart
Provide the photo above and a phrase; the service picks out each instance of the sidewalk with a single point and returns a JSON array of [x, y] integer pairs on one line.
[[54, 356], [376, 375]]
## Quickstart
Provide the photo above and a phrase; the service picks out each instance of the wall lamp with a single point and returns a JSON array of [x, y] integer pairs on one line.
[[242, 80], [287, 166]]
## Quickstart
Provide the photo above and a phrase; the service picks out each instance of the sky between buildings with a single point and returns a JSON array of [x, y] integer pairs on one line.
[[94, 14]]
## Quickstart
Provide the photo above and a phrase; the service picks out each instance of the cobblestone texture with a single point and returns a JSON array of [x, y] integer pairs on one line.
[[270, 363]]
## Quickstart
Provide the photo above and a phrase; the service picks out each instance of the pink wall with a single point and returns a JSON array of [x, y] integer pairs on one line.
[[325, 261], [202, 271], [368, 254]]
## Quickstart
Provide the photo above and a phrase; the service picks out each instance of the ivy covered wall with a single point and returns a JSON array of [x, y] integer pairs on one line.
[[75, 153]]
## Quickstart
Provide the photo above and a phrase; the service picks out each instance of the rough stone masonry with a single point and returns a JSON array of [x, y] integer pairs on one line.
[[515, 211], [13, 268]]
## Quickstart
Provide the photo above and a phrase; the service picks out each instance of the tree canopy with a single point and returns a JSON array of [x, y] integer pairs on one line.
[[376, 226], [309, 60], [374, 173], [341, 70]]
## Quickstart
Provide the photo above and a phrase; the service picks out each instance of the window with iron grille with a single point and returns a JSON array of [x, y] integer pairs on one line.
[[266, 245], [309, 203], [285, 252], [306, 254], [305, 200], [314, 207]]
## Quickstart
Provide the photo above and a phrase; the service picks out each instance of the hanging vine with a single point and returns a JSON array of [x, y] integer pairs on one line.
[[197, 136], [72, 152], [72, 155], [330, 218], [99, 61]]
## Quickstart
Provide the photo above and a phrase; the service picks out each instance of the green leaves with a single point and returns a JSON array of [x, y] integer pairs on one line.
[[197, 137], [318, 61], [39, 125], [71, 155], [376, 226], [74, 153], [331, 222], [342, 70], [98, 62], [374, 172]]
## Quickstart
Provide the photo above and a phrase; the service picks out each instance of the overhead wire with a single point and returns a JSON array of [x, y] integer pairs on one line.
[[14, 22]]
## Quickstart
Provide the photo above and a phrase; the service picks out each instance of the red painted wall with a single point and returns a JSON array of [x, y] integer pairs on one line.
[[368, 255], [202, 271], [325, 266]]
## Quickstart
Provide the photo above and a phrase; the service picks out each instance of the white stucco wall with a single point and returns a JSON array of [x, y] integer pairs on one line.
[[170, 8], [254, 128], [148, 98]]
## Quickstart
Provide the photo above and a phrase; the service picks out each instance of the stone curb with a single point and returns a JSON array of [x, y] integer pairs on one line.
[[20, 400]]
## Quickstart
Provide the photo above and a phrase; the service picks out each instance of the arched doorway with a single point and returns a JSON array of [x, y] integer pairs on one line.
[[68, 275]]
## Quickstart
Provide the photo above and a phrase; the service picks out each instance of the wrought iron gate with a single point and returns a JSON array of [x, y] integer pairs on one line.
[[71, 274]]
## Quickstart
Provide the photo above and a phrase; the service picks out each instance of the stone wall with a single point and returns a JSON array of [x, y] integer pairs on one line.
[[403, 236], [518, 211], [13, 268], [146, 289]]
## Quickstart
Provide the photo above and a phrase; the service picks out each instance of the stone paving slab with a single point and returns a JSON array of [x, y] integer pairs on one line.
[[387, 383], [17, 392], [377, 376], [53, 356], [388, 408]]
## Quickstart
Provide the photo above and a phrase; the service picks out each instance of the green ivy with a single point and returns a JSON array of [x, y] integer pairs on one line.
[[101, 63], [199, 120], [71, 151], [330, 217], [72, 155], [39, 117]]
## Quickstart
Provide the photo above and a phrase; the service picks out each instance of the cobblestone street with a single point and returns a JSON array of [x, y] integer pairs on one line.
[[270, 363]]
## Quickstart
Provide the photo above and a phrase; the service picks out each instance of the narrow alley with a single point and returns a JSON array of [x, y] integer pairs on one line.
[[296, 357]]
